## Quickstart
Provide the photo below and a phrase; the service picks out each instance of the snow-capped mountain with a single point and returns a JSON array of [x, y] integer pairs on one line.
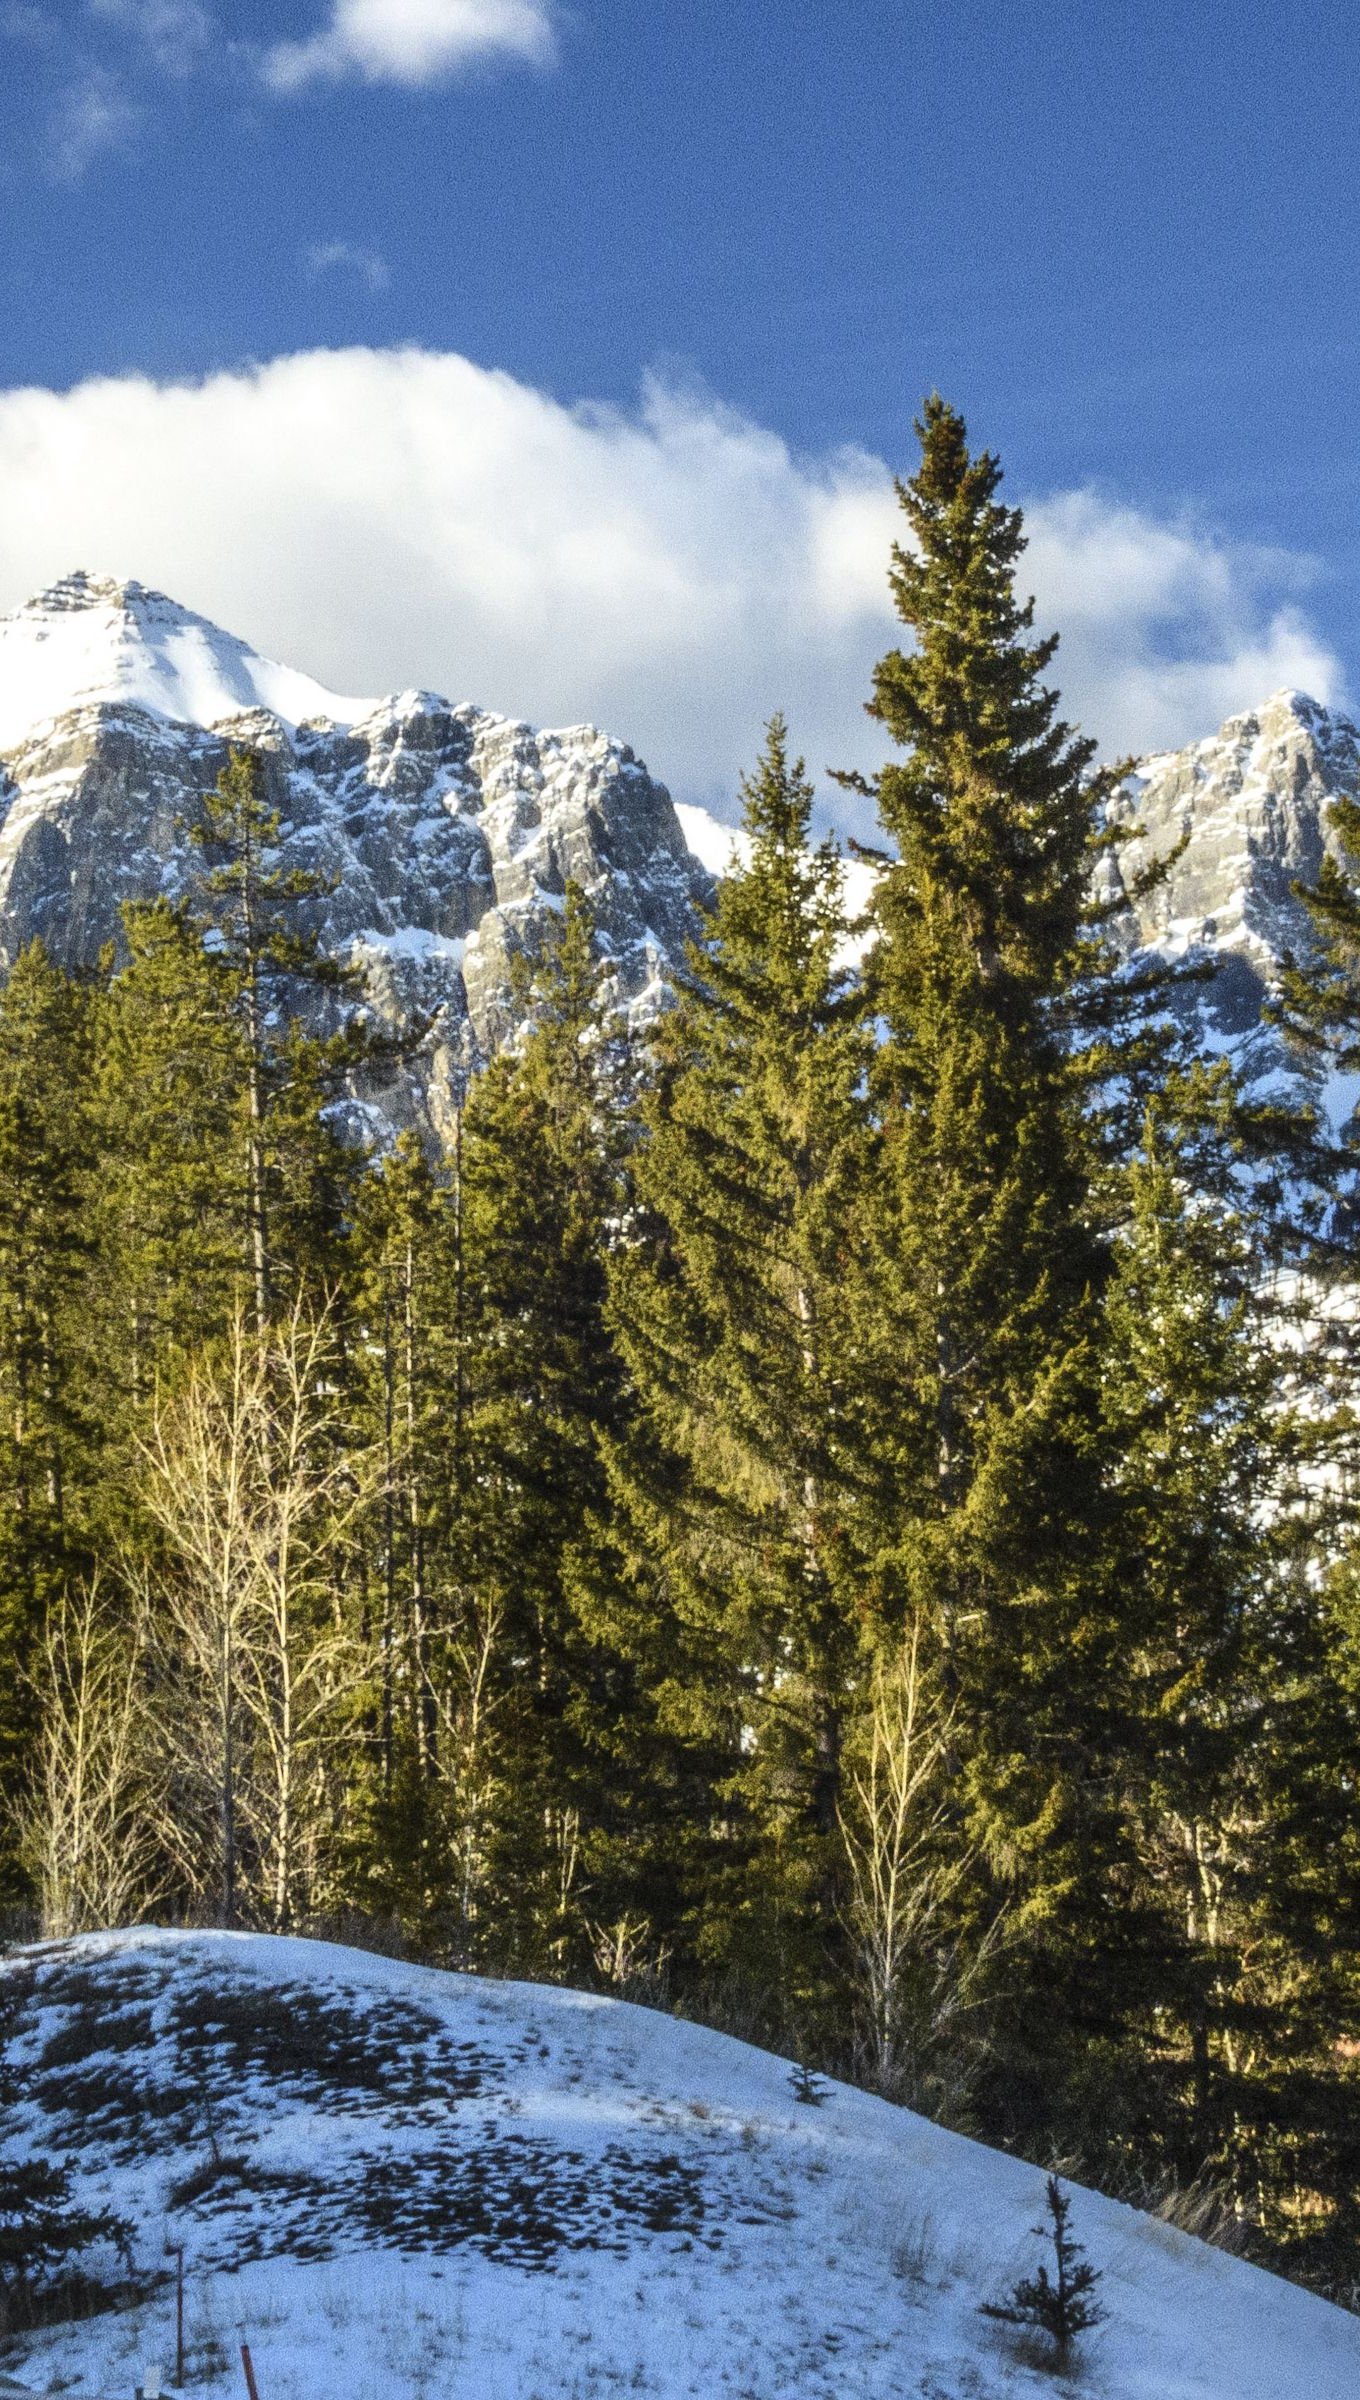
[[391, 2181], [448, 833], [90, 641], [1253, 801]]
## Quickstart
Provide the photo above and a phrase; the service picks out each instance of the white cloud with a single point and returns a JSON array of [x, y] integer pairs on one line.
[[176, 33], [92, 116], [355, 258], [1167, 629], [413, 42], [382, 518]]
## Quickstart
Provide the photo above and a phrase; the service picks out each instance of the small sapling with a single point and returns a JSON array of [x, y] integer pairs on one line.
[[1061, 2306]]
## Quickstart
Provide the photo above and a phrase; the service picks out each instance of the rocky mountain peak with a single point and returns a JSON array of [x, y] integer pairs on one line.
[[1250, 803], [91, 641], [446, 834], [80, 589]]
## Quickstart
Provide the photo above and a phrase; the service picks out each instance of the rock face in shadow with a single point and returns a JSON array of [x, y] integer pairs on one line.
[[445, 835]]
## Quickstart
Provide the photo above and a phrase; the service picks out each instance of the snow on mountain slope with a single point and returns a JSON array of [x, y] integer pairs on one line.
[[1251, 804], [447, 834], [393, 2182], [90, 640], [719, 847], [444, 835]]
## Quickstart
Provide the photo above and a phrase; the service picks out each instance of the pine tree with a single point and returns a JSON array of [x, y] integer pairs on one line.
[[540, 1188], [728, 1303], [49, 1430], [1202, 1482], [43, 2228], [255, 914], [490, 1375], [980, 1256], [1319, 1001], [169, 1209], [1307, 2139], [222, 1169], [1061, 2306]]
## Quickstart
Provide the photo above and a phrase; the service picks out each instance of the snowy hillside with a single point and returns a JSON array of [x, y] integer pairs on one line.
[[393, 2182]]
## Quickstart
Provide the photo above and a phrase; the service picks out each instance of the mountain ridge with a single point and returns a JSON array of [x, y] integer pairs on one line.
[[445, 833], [448, 831]]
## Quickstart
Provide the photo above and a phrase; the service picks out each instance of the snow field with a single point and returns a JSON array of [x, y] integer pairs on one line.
[[428, 2184]]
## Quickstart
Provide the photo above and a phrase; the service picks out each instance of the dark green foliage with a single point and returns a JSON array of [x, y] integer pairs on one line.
[[979, 1258], [1060, 2306], [732, 1485], [1320, 995], [222, 1171], [807, 2087], [169, 1215], [42, 2231], [493, 1379], [259, 921], [50, 1433], [1231, 1703]]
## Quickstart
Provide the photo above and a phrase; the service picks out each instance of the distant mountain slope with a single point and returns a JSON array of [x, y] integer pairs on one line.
[[394, 2182], [448, 833], [1253, 801]]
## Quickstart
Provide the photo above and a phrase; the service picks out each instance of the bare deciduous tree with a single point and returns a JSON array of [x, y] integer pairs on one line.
[[463, 1695], [921, 1980], [90, 1819], [255, 1497]]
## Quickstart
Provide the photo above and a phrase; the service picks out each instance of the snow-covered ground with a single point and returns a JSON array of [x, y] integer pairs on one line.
[[393, 2182]]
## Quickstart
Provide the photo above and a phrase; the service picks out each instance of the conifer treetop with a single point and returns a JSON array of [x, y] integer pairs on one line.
[[995, 801]]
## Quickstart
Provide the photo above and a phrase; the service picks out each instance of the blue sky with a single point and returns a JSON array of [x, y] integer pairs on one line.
[[1123, 238]]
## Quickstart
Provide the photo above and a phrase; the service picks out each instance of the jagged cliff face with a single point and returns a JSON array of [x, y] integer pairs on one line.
[[447, 833], [1253, 801]]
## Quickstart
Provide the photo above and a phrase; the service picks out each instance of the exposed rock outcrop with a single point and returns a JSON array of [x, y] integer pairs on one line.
[[1253, 801], [446, 834]]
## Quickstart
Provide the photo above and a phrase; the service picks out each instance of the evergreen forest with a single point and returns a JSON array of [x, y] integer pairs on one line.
[[836, 1517]]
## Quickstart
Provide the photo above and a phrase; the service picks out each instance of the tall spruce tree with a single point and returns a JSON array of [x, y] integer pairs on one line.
[[1245, 1839], [979, 1262], [1201, 1475], [541, 1188], [257, 916], [729, 1306], [49, 1418], [1318, 1008], [169, 1211], [491, 1377], [216, 1075]]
